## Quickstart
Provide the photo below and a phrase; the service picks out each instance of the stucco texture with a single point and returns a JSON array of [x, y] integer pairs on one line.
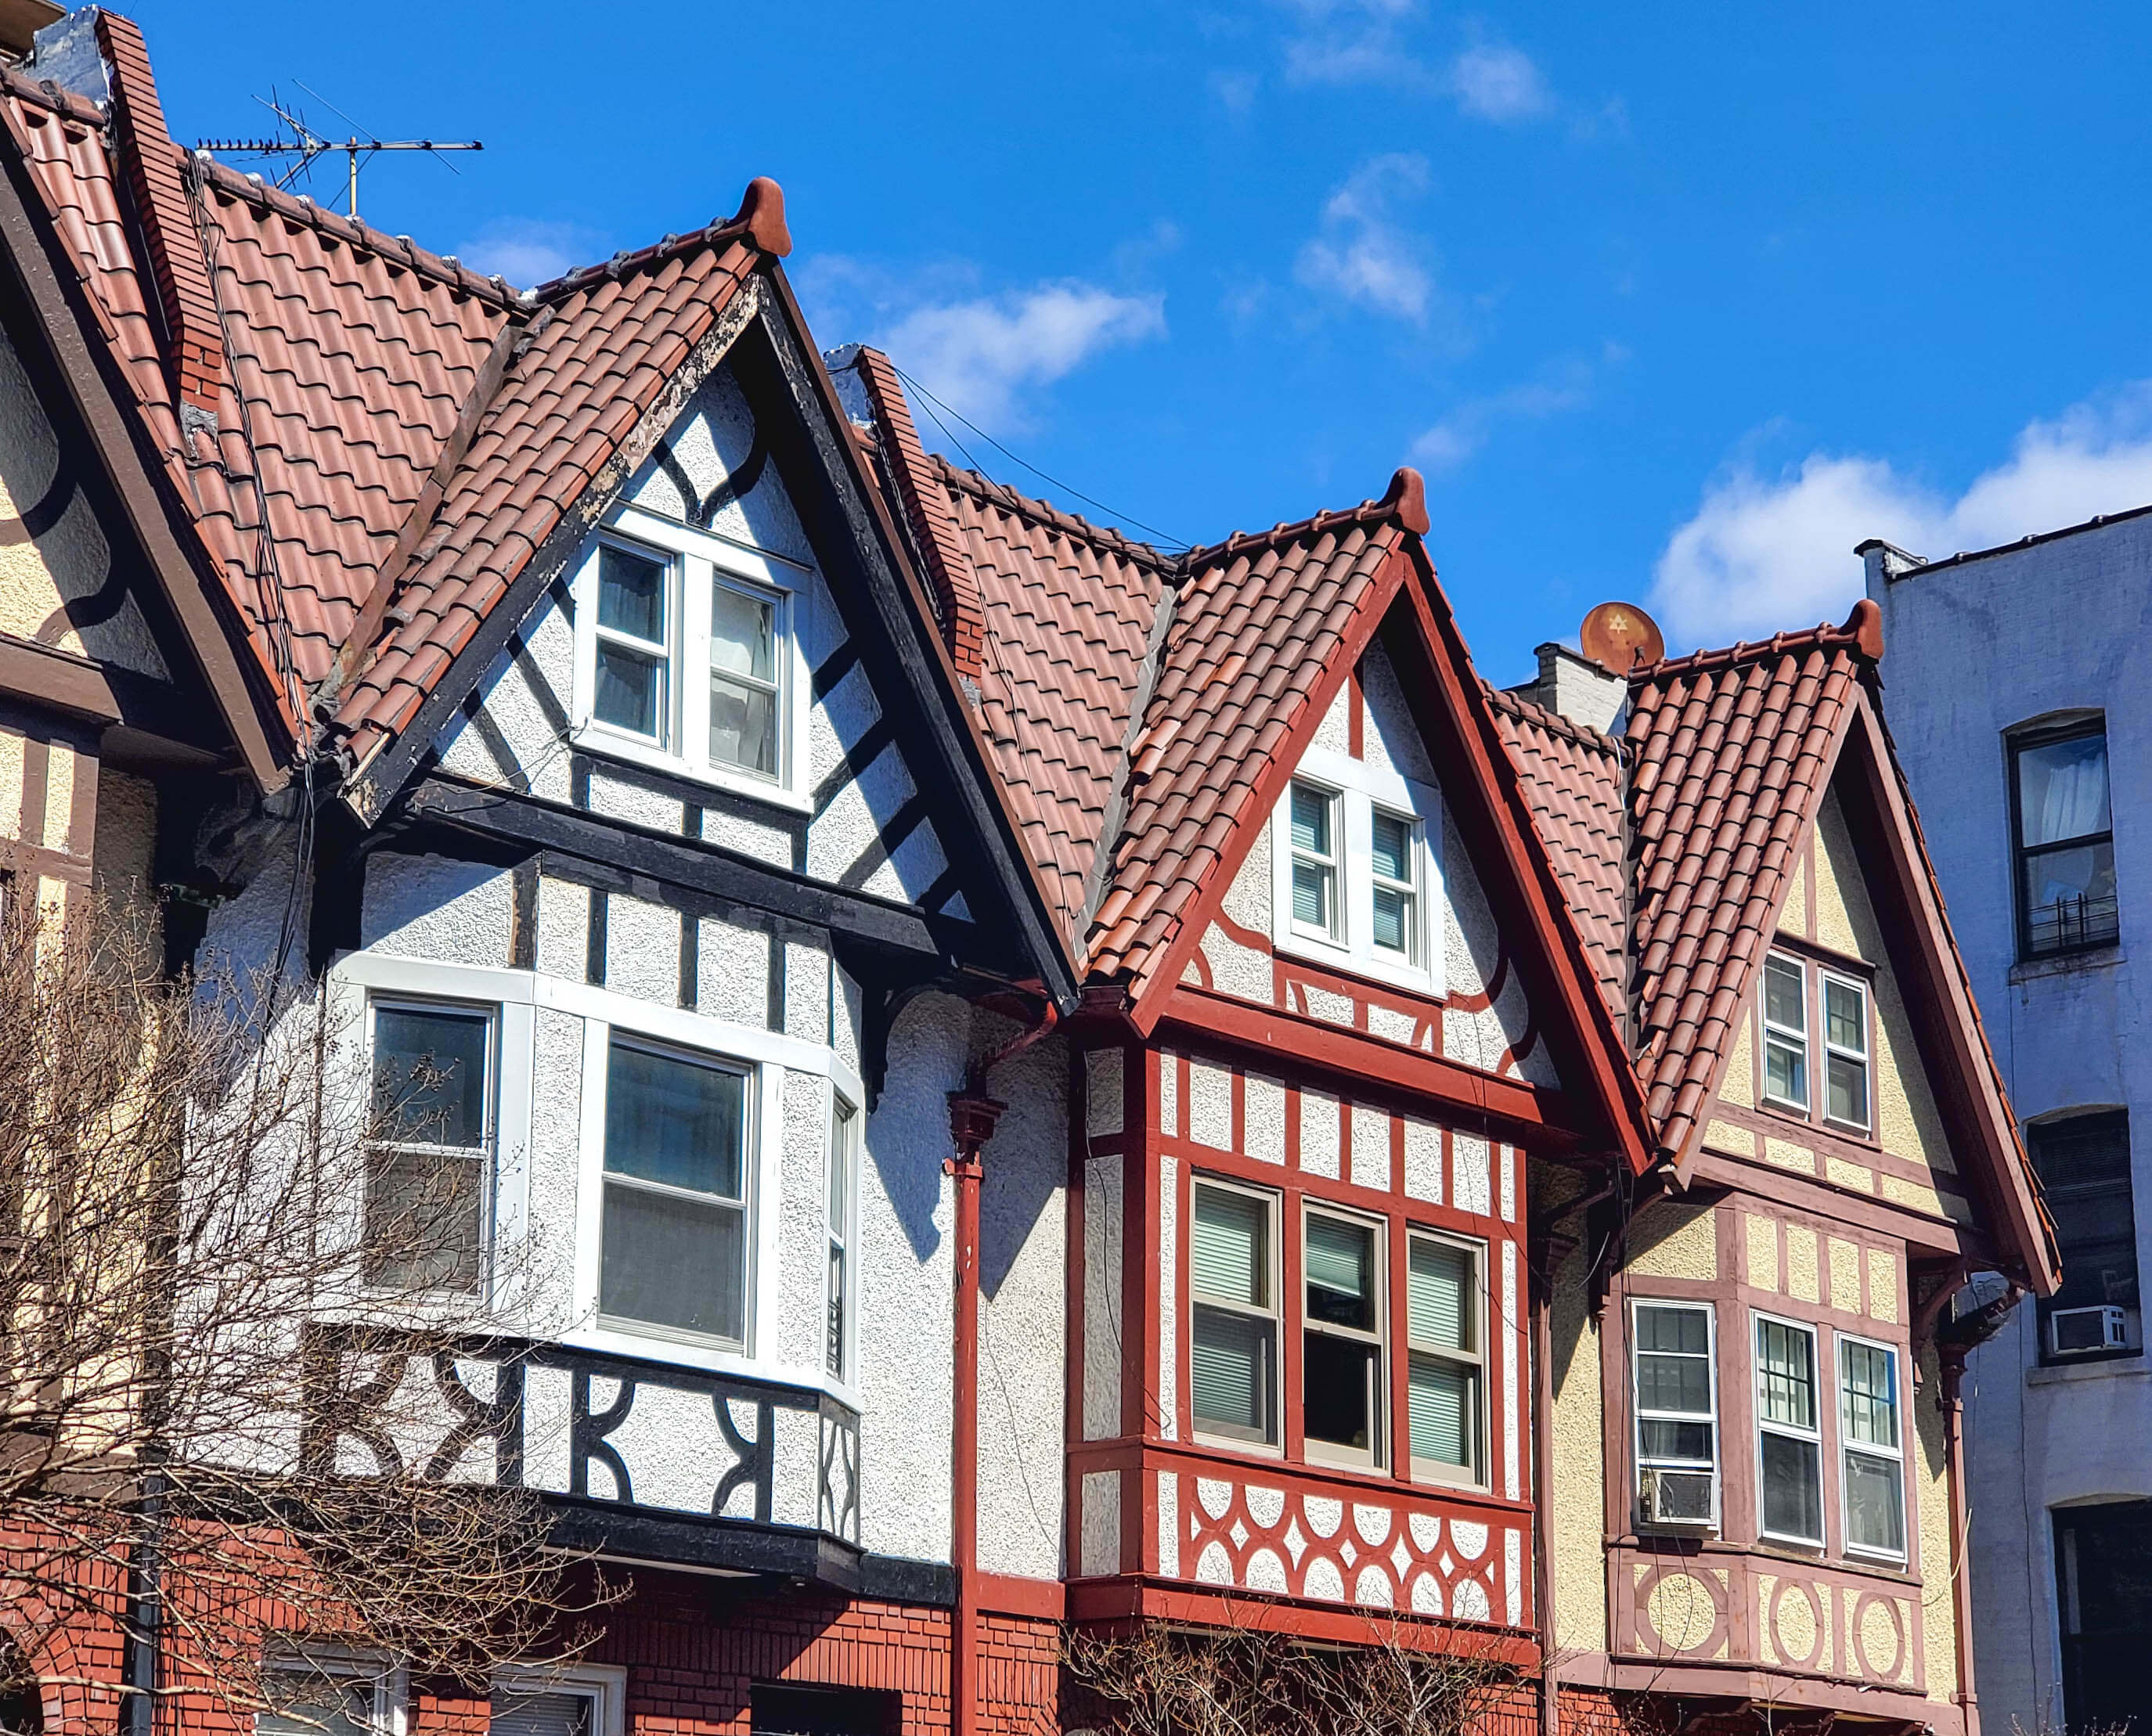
[[1575, 1527]]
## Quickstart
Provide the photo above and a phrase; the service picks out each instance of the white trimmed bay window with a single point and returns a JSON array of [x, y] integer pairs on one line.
[[1872, 1473], [1676, 1395], [1233, 1326], [1788, 1433], [429, 1142], [687, 656], [1446, 1356], [1356, 872]]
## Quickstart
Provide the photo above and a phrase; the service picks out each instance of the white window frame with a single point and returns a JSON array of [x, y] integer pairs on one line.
[[1274, 1253], [391, 1682], [1847, 1446], [699, 560], [604, 1686], [1377, 1455], [1864, 1055], [1814, 1437], [1413, 954], [1646, 1461], [488, 1149], [847, 1126], [1770, 1028], [1334, 932], [1361, 787], [1434, 1470]]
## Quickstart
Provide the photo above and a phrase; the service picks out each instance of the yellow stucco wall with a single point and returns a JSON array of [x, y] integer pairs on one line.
[[1931, 1498], [1577, 1483], [1673, 1239], [126, 836]]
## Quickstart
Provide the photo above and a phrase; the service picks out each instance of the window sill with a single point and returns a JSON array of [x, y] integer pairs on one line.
[[603, 744], [1793, 1116], [2125, 1366], [1408, 979], [2067, 964]]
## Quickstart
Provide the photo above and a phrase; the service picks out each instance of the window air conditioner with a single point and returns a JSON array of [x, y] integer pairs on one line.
[[2076, 1331], [1671, 1497]]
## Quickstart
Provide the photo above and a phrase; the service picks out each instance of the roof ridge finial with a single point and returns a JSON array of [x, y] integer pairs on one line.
[[1407, 500], [761, 209]]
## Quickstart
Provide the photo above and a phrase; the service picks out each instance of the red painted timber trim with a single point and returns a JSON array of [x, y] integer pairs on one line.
[[1122, 1600], [1007, 1594]]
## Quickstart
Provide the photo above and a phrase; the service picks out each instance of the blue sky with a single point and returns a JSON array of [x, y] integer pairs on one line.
[[1673, 303]]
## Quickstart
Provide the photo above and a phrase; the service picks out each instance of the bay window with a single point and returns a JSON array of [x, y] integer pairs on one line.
[[674, 1240], [1342, 1339], [1788, 1433], [1677, 1389], [1233, 1328], [428, 1145], [1446, 1359], [1872, 1454]]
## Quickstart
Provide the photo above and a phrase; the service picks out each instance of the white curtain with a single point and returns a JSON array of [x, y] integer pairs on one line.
[[2069, 790]]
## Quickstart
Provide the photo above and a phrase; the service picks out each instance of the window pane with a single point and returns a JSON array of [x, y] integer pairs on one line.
[[1229, 1371], [1793, 1488], [1393, 848], [1785, 1002], [423, 1220], [632, 594], [312, 1704], [674, 1121], [2083, 1164], [1846, 1090], [1679, 1384], [841, 1123], [1844, 1023], [430, 1075], [674, 1262], [1439, 1300], [1874, 1506], [1311, 894], [631, 689], [1310, 820], [1393, 923], [1785, 1367], [1443, 1398], [1685, 1330], [1340, 1275], [1663, 1439], [744, 726], [2070, 897], [743, 633], [2062, 790], [835, 1349], [1337, 1378], [1785, 1072], [1871, 1395], [540, 1714], [1228, 1247]]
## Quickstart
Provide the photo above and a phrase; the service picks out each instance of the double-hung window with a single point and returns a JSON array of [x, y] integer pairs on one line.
[[1446, 1359], [843, 1138], [2064, 845], [1315, 901], [1394, 861], [326, 1696], [2083, 1163], [1233, 1325], [674, 1247], [687, 656], [1786, 1033], [577, 1700], [430, 1138], [1342, 1379], [1677, 1414], [1357, 882], [1872, 1453], [1844, 1051], [1788, 1433]]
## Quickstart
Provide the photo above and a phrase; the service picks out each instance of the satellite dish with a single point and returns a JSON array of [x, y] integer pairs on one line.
[[1617, 636]]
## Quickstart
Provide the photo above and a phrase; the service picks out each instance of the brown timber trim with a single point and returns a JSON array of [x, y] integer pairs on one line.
[[1934, 1237], [1763, 1687], [46, 675]]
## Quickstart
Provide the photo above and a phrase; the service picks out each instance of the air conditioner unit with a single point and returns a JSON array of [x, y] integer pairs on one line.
[[2078, 1331], [1678, 1498]]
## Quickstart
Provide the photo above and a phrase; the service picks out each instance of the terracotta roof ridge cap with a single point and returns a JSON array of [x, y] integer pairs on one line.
[[1044, 512], [297, 208], [58, 100], [1553, 722], [759, 219], [1860, 632], [1403, 505]]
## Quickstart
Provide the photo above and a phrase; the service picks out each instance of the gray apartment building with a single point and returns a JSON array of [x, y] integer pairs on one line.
[[2019, 689]]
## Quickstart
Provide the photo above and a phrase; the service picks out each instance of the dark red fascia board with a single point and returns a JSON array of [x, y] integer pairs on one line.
[[1134, 1598], [1291, 1043]]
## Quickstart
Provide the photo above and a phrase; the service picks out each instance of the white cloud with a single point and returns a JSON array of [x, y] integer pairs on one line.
[[1498, 83], [1763, 553], [526, 250], [1560, 387], [1362, 253], [977, 357]]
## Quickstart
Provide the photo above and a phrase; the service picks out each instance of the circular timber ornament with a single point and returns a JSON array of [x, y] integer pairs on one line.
[[1616, 636]]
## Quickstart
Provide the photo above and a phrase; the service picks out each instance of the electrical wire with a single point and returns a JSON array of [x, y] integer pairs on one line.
[[935, 407]]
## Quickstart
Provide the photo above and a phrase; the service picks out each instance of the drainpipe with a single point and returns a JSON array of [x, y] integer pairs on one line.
[[1953, 1366], [972, 1115], [1544, 1257]]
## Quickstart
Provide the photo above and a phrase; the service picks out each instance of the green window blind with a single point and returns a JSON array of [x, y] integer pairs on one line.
[[1229, 1370], [1440, 1300], [1338, 1255], [1227, 1251], [1441, 1400]]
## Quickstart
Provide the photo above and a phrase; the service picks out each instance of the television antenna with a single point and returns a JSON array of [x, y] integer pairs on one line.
[[305, 144]]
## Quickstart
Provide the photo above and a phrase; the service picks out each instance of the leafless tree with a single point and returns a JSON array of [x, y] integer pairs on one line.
[[1244, 1679], [198, 1180]]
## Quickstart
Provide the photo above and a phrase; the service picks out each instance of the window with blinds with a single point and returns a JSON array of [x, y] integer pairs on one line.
[[1446, 1357], [1233, 1324], [1342, 1339], [323, 1697], [518, 1714]]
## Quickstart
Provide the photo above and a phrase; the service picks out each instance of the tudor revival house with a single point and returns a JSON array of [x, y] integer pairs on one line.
[[1048, 1083]]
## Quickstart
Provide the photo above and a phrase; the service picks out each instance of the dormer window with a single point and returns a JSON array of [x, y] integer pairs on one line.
[[1356, 875], [1809, 1009]]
